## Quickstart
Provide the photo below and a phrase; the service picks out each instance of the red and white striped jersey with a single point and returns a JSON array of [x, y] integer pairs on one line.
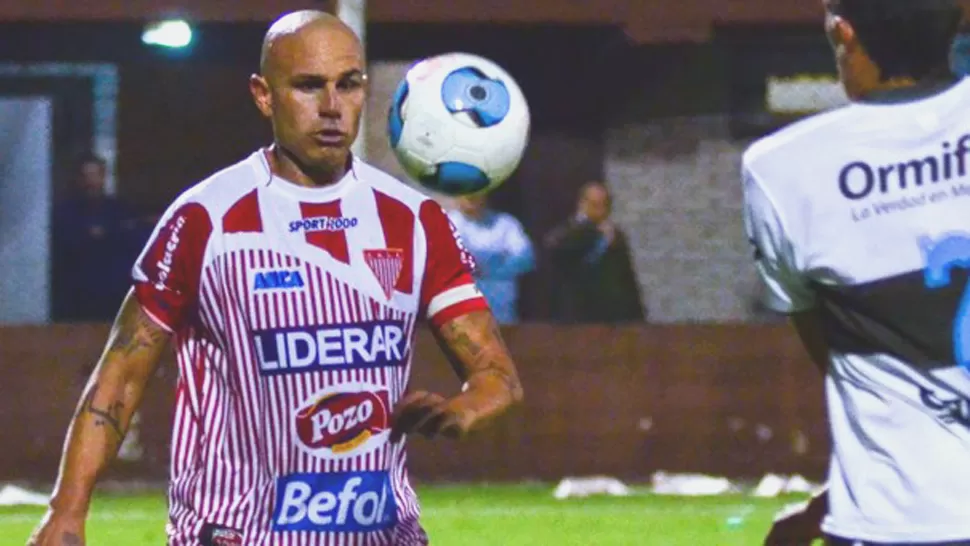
[[293, 312]]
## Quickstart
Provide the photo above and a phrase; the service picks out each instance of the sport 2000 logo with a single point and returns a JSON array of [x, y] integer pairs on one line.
[[345, 421]]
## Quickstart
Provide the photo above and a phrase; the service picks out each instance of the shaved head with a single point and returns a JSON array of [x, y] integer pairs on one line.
[[293, 26], [311, 86]]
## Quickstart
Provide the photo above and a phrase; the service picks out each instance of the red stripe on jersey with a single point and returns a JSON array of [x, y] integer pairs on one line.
[[397, 221], [449, 264], [243, 216], [334, 241]]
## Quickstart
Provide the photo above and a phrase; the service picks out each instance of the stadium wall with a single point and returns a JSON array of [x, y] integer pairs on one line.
[[729, 400]]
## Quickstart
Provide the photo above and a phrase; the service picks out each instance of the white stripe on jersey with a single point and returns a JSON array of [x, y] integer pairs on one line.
[[451, 297]]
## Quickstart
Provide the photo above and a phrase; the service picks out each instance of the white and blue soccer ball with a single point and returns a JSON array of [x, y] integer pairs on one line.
[[458, 124]]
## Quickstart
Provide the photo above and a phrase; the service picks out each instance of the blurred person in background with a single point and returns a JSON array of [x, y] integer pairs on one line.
[[502, 251], [93, 247], [595, 280]]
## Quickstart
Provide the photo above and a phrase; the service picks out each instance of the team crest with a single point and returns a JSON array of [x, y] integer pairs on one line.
[[386, 264]]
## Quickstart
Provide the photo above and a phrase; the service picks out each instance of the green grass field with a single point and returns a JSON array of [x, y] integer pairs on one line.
[[485, 515]]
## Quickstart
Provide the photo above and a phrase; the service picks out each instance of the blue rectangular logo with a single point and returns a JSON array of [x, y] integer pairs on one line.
[[372, 344], [341, 502], [277, 280]]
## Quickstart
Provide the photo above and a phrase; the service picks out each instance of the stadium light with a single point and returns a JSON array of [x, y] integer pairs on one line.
[[174, 34]]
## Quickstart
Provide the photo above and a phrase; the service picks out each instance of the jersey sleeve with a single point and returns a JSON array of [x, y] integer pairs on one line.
[[448, 290], [774, 251], [168, 271]]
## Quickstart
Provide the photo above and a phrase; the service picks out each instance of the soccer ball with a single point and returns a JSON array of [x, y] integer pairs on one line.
[[458, 124]]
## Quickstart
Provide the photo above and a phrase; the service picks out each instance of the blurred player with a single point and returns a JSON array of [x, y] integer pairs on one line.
[[290, 284], [860, 220]]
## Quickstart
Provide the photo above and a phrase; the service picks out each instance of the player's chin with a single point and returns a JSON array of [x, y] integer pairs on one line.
[[329, 157]]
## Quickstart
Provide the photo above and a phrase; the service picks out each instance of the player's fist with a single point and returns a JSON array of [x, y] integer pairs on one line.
[[58, 530], [796, 525], [430, 415]]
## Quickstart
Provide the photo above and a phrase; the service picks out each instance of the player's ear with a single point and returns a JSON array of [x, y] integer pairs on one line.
[[842, 34], [262, 95]]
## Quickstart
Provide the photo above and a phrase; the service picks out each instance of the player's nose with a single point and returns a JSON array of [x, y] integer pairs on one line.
[[329, 102]]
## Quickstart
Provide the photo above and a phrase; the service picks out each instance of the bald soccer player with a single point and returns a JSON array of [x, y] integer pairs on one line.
[[290, 285]]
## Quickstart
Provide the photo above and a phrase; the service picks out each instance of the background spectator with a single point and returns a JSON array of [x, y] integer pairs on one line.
[[595, 281], [94, 247], [502, 249]]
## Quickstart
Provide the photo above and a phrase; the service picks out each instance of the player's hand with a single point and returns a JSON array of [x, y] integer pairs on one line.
[[430, 415], [58, 530], [796, 525]]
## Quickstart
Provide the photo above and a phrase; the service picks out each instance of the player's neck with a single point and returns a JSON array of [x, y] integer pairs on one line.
[[908, 89], [284, 165]]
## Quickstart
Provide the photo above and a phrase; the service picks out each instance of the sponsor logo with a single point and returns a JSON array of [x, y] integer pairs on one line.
[[277, 280], [386, 265], [347, 422], [951, 410], [323, 223], [340, 502], [360, 345], [859, 180], [165, 263], [466, 257]]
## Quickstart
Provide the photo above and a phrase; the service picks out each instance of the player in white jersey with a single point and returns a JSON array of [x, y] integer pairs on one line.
[[860, 219], [291, 284]]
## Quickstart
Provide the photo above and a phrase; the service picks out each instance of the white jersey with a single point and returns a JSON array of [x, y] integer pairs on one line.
[[293, 311], [864, 214]]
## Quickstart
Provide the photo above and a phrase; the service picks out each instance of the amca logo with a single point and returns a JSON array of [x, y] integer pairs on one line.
[[361, 345], [340, 502], [277, 280]]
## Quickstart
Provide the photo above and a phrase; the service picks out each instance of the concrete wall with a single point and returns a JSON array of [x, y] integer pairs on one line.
[[677, 193]]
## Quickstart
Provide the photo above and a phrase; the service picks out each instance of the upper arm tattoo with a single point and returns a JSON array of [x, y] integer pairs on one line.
[[135, 332], [134, 349], [474, 345]]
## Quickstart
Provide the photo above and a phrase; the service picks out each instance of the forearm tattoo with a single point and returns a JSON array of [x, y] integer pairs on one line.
[[135, 332], [109, 416]]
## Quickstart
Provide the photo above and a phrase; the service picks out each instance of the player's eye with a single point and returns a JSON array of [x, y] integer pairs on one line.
[[351, 82], [309, 84]]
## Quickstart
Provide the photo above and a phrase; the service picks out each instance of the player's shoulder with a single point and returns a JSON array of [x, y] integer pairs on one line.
[[220, 190], [788, 146], [391, 187]]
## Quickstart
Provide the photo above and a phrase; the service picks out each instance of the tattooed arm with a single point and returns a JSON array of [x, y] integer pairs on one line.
[[474, 346], [110, 398]]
